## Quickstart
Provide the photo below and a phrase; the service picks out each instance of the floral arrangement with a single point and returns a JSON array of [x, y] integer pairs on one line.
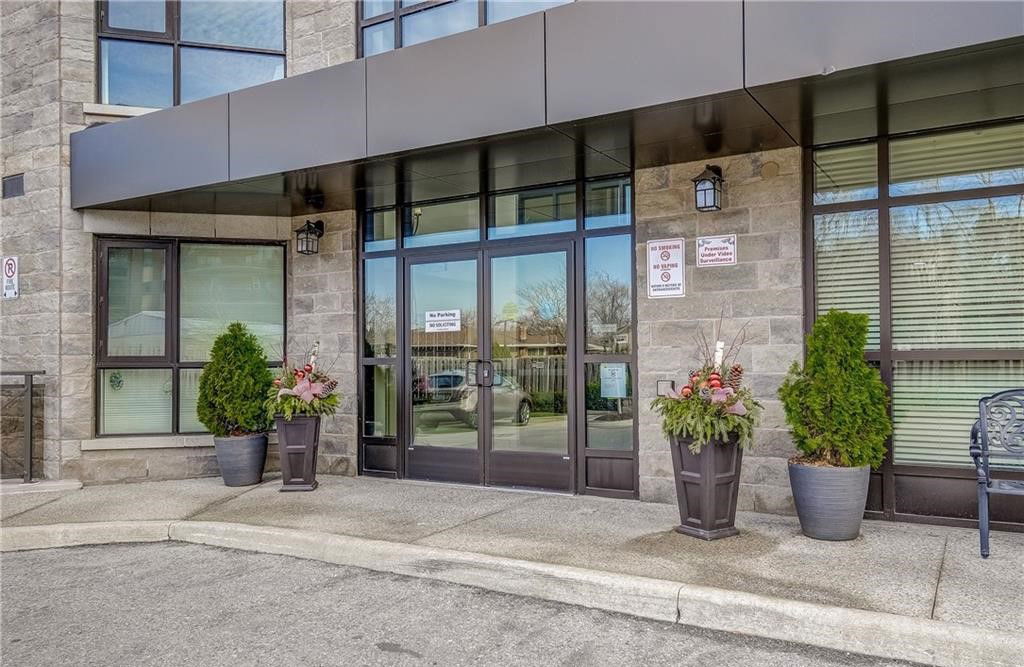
[[302, 390], [713, 405]]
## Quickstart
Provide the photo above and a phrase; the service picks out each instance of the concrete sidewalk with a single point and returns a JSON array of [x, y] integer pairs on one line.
[[901, 571]]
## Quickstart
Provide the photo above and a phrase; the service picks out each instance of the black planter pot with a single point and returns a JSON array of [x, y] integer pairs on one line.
[[707, 485], [297, 443], [829, 501], [241, 459]]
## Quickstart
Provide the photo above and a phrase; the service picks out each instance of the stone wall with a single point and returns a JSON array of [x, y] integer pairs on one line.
[[30, 326], [322, 306], [319, 33], [47, 66], [762, 206]]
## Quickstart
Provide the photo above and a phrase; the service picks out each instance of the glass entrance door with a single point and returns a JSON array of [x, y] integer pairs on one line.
[[443, 391], [489, 395], [528, 335]]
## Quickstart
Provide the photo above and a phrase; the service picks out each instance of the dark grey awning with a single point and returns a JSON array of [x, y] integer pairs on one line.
[[610, 85]]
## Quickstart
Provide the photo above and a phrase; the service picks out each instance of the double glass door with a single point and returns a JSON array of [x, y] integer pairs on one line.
[[489, 357]]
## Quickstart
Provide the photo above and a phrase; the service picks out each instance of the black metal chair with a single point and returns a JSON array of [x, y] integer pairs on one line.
[[997, 436]]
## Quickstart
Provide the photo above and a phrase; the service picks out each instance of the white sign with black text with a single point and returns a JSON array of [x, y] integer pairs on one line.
[[613, 380], [10, 277], [716, 250], [666, 268], [443, 320]]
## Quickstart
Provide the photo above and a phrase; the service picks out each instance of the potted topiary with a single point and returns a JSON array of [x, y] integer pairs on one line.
[[709, 422], [297, 400], [837, 408], [230, 405]]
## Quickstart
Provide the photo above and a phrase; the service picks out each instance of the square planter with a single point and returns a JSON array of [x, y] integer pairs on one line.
[[297, 444], [707, 486]]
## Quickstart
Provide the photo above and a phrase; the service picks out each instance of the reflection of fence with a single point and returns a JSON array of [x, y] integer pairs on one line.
[[533, 374]]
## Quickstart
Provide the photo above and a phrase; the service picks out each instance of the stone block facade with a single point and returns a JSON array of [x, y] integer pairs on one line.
[[762, 291], [47, 67]]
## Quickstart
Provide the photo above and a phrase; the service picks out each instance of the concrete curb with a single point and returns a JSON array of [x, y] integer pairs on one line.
[[858, 631]]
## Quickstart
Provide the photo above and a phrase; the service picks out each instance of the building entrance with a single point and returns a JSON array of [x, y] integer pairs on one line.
[[489, 354]]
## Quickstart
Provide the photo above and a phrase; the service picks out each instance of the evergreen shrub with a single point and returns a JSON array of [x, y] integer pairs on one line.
[[837, 404], [233, 385]]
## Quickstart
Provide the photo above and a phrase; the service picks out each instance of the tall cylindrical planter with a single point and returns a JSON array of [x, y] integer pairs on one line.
[[707, 486], [241, 459], [297, 442], [829, 501]]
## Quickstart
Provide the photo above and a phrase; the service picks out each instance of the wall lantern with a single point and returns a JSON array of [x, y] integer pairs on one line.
[[707, 189], [307, 237]]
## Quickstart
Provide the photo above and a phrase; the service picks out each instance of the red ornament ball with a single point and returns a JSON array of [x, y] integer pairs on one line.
[[308, 368], [687, 392], [715, 384], [300, 374]]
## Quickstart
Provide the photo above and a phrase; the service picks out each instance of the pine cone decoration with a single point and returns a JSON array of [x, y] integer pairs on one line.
[[735, 377], [329, 388]]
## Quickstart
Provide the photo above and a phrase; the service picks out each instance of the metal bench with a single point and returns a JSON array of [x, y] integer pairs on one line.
[[997, 436]]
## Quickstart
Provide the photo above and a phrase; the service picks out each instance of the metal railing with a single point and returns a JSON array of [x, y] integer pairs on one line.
[[28, 375]]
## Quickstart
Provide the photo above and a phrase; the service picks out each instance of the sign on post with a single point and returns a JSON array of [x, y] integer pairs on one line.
[[443, 320], [10, 277], [716, 250], [666, 268]]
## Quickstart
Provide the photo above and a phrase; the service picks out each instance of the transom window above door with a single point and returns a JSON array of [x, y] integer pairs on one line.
[[390, 24], [158, 53]]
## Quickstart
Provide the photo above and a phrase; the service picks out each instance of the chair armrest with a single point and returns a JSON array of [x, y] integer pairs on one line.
[[976, 452]]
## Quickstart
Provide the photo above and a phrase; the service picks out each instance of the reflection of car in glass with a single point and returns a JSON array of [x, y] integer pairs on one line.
[[447, 394]]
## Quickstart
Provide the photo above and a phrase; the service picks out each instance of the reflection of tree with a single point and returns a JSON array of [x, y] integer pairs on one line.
[[380, 324], [608, 301], [544, 312]]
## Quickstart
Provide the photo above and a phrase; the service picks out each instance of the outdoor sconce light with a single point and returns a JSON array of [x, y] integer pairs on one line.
[[307, 237], [707, 189]]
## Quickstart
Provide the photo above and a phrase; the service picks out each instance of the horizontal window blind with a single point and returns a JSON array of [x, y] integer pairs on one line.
[[935, 403], [977, 158], [846, 265], [847, 173], [957, 274], [188, 391], [135, 401]]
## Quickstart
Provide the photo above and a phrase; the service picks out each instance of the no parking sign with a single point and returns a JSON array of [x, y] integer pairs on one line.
[[10, 277]]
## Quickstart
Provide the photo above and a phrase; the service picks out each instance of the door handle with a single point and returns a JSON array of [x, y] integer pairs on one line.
[[486, 373]]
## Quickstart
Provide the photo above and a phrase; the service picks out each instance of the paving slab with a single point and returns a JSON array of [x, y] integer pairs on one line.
[[985, 592], [16, 504], [143, 501], [364, 507], [890, 569]]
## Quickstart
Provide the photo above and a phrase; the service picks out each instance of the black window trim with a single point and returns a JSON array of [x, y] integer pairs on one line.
[[398, 12], [171, 37], [172, 290]]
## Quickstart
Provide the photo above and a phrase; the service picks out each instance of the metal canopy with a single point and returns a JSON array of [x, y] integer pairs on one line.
[[604, 87]]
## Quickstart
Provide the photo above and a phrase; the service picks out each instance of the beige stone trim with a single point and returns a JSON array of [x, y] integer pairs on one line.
[[114, 110], [148, 442]]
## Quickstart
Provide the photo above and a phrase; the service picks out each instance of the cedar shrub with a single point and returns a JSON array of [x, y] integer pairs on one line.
[[837, 405], [234, 384]]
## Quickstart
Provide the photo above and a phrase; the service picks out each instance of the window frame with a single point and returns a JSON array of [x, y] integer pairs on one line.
[[577, 237], [172, 38], [398, 12], [172, 331], [886, 357]]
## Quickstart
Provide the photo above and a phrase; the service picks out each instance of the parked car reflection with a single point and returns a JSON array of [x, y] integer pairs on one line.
[[447, 396]]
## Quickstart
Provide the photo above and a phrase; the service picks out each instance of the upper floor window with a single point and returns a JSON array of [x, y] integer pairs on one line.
[[158, 53], [390, 24]]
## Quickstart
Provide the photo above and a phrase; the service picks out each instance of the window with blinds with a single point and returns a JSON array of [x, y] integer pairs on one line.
[[958, 274], [955, 280], [846, 265], [847, 173], [978, 158], [935, 403]]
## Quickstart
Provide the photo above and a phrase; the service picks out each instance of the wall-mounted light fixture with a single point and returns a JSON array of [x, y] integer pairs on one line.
[[707, 189], [307, 237]]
